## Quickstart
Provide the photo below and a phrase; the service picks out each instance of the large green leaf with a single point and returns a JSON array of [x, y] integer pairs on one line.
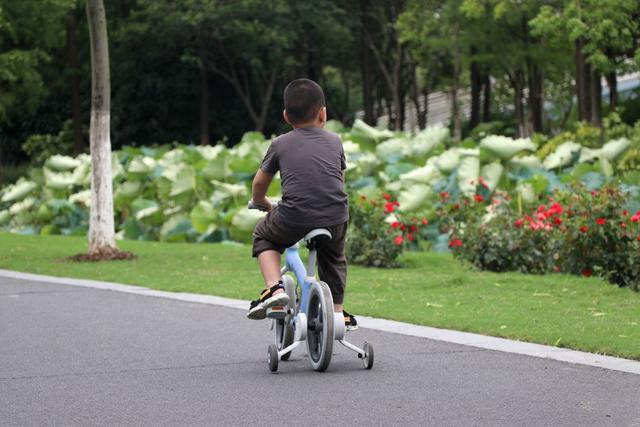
[[62, 163], [414, 197], [203, 215], [185, 182], [243, 223], [469, 174], [19, 191], [505, 147], [176, 229]]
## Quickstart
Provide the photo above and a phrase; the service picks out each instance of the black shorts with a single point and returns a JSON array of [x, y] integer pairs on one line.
[[272, 234]]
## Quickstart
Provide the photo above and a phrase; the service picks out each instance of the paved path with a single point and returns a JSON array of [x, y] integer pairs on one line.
[[82, 356]]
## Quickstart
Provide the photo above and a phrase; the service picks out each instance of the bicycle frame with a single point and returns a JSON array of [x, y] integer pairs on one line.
[[293, 263]]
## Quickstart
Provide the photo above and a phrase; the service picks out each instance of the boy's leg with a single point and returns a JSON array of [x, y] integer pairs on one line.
[[269, 262], [332, 264]]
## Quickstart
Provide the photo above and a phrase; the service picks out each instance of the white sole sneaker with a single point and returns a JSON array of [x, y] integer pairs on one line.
[[259, 312]]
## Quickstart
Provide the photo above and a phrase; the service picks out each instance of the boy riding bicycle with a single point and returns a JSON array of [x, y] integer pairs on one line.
[[312, 167]]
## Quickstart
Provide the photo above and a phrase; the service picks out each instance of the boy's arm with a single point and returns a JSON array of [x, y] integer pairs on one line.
[[259, 189]]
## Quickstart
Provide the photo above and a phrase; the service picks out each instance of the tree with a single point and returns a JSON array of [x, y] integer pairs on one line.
[[101, 228], [27, 31], [604, 36]]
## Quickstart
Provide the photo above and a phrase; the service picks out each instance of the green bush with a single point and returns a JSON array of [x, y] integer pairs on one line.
[[41, 147]]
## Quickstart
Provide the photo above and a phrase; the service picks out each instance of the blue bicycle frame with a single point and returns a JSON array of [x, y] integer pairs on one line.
[[293, 263]]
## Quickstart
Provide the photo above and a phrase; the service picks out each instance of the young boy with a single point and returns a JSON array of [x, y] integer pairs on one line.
[[312, 168]]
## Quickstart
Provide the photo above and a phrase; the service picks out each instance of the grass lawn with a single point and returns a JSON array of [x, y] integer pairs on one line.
[[434, 290]]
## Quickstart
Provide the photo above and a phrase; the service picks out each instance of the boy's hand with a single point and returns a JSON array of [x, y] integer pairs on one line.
[[265, 203]]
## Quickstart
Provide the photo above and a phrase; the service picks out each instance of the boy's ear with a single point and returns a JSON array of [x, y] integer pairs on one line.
[[322, 115], [286, 117]]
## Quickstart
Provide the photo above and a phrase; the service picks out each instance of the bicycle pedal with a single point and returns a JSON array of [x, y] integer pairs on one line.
[[276, 312]]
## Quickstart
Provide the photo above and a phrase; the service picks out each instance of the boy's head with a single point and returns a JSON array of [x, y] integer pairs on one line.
[[304, 102]]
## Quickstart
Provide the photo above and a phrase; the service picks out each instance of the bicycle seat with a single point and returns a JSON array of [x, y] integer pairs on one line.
[[316, 236]]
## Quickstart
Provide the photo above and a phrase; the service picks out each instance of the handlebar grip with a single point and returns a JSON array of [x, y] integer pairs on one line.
[[251, 205]]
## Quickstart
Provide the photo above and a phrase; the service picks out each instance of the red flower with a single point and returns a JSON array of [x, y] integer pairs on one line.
[[555, 208], [386, 196], [558, 221], [455, 243], [456, 206], [556, 269], [636, 217], [601, 221], [388, 207], [444, 195], [395, 224], [410, 237], [625, 212], [586, 272], [413, 228], [623, 225], [398, 240], [518, 223], [414, 219], [483, 183], [396, 203], [584, 228], [541, 208], [638, 237], [403, 227], [479, 198], [424, 221]]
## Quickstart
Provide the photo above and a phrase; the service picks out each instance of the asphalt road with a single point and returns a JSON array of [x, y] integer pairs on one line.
[[81, 356]]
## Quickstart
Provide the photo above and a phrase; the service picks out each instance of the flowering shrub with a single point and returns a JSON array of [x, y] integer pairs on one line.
[[599, 236], [485, 234], [579, 232], [378, 233]]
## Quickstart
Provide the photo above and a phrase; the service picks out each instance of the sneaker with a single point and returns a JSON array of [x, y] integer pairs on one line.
[[258, 308], [350, 322]]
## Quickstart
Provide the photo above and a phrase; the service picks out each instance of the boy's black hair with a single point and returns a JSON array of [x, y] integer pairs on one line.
[[303, 98]]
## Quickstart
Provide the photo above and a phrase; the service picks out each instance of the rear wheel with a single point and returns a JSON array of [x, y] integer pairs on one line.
[[284, 327], [320, 326]]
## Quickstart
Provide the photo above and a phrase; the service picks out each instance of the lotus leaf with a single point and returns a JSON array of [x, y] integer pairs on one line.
[[18, 191], [202, 216], [563, 155], [414, 197], [62, 163], [505, 147], [491, 174], [22, 206]]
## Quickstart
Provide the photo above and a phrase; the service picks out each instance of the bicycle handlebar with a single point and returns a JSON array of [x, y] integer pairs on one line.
[[250, 205]]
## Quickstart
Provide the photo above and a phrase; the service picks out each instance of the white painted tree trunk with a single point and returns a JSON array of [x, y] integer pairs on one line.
[[101, 228]]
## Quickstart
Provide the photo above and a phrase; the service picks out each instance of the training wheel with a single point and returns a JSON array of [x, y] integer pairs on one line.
[[367, 360], [272, 357]]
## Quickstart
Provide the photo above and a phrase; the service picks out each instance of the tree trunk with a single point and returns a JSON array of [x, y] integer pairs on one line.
[[415, 97], [612, 82], [476, 88], [596, 98], [583, 83], [535, 97], [74, 77], [101, 227], [204, 106], [365, 69], [517, 82], [486, 102], [455, 108]]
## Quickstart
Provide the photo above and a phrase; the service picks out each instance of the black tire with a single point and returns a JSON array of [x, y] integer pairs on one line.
[[284, 327], [320, 326], [272, 358], [367, 360]]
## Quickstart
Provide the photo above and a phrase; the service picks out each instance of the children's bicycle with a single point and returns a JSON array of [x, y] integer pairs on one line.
[[309, 316]]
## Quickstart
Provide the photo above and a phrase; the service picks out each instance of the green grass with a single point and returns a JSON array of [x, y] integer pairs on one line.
[[434, 290]]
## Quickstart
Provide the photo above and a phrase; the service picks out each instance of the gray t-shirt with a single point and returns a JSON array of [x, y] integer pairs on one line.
[[310, 161]]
